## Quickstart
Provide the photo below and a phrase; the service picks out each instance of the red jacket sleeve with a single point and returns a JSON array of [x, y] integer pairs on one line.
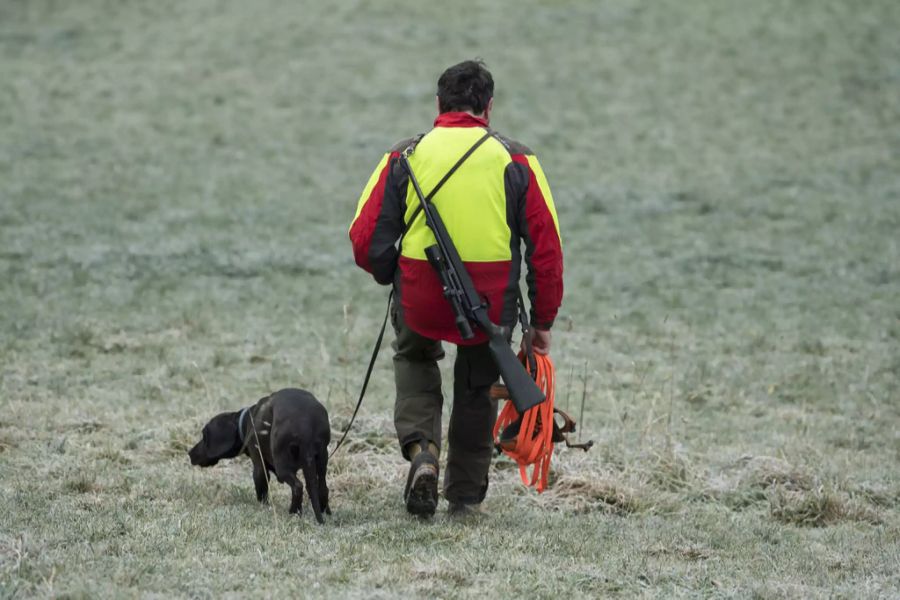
[[378, 223], [543, 246]]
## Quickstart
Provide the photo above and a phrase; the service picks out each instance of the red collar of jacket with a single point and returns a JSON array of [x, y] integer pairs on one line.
[[459, 119]]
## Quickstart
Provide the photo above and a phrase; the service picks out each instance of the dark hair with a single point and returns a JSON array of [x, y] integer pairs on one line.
[[467, 86]]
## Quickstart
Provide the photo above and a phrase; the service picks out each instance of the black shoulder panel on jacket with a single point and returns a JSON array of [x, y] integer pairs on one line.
[[404, 144], [512, 146]]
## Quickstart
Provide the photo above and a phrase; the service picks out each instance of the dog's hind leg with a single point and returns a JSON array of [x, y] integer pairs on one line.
[[286, 466], [312, 486], [296, 494], [321, 472], [260, 480]]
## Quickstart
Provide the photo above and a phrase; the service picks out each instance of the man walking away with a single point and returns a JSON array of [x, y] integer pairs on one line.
[[495, 204]]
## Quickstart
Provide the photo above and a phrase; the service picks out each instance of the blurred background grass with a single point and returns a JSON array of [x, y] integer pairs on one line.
[[176, 182]]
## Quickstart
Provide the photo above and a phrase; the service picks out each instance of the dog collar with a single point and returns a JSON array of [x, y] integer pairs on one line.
[[241, 423]]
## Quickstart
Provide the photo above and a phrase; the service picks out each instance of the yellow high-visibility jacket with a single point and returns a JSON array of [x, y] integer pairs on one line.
[[495, 204]]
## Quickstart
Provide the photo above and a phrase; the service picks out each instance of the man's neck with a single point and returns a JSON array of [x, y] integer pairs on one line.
[[481, 115], [459, 118]]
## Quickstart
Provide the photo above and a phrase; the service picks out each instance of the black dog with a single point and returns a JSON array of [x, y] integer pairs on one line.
[[282, 433]]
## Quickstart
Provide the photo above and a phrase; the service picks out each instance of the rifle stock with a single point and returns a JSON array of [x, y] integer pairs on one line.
[[523, 391]]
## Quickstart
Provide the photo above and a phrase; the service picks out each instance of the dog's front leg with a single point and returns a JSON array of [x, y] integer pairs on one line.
[[260, 479]]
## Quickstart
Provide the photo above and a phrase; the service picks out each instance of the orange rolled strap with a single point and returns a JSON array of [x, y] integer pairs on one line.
[[533, 445]]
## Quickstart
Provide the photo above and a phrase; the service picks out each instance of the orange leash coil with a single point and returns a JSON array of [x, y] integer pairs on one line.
[[533, 445]]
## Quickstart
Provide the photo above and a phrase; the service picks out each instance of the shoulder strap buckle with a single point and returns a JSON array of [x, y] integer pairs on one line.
[[411, 148]]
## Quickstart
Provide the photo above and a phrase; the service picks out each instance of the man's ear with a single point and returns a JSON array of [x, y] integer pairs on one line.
[[488, 109], [437, 103]]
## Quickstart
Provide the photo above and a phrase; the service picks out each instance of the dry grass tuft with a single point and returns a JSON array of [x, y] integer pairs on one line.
[[366, 462], [7, 443], [689, 552], [440, 572], [670, 472], [369, 444], [582, 494], [114, 456], [83, 426], [747, 481], [80, 484], [818, 508], [766, 472], [362, 472], [881, 496]]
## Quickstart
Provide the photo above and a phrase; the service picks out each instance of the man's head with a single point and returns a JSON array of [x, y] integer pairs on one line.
[[466, 87]]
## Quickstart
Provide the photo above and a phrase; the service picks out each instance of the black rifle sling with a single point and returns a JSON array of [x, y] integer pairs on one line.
[[527, 335], [377, 347]]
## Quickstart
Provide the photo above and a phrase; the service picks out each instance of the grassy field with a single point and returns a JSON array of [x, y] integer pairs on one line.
[[176, 182]]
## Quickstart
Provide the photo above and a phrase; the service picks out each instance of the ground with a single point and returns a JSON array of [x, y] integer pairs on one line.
[[176, 183]]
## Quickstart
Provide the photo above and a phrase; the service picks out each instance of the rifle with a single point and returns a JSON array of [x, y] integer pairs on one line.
[[468, 307]]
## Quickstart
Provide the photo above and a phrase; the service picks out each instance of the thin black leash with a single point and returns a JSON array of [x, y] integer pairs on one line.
[[365, 384], [415, 214]]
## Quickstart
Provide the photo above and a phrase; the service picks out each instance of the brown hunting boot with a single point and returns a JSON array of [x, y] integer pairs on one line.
[[421, 493]]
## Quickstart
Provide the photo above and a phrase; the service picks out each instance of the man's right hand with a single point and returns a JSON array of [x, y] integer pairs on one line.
[[541, 341]]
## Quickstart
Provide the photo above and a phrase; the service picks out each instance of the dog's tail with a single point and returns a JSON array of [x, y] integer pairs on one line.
[[312, 484]]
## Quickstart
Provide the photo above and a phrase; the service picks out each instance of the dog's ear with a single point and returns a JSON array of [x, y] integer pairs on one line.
[[222, 437]]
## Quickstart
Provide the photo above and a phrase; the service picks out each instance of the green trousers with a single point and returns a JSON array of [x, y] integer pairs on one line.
[[417, 411]]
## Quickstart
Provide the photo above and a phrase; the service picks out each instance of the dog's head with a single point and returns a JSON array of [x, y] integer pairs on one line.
[[221, 439]]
